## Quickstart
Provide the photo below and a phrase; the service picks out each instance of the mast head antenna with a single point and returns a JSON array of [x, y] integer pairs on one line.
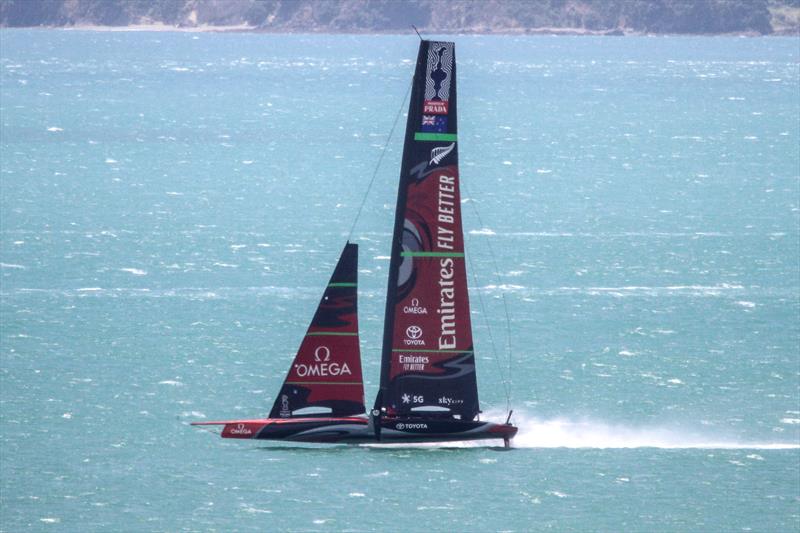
[[417, 31]]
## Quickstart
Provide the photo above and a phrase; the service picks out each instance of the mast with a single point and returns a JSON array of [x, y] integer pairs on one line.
[[325, 376], [427, 362]]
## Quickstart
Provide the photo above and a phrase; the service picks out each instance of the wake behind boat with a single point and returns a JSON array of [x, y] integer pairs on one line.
[[428, 390]]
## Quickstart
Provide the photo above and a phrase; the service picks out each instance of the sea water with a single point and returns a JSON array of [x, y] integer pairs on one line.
[[172, 205]]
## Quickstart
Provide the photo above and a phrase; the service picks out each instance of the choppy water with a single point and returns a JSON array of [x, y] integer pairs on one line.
[[172, 204]]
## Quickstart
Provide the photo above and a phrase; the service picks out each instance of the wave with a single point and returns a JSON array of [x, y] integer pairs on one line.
[[568, 433], [562, 432]]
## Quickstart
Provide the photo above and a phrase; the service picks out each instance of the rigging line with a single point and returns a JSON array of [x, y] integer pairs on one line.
[[505, 304], [508, 347], [489, 329], [380, 159]]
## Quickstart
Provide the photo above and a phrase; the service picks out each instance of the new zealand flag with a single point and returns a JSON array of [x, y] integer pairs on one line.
[[434, 123]]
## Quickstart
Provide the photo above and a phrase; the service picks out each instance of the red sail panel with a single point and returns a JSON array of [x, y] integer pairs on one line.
[[431, 318], [427, 354], [326, 372]]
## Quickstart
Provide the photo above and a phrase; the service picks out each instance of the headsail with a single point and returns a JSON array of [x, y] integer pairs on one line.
[[427, 347], [325, 376]]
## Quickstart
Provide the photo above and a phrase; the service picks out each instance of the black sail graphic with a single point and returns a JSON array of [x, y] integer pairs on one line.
[[427, 360], [326, 372]]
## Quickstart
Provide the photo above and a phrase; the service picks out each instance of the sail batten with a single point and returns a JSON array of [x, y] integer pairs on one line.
[[331, 334], [420, 136], [427, 356], [431, 254]]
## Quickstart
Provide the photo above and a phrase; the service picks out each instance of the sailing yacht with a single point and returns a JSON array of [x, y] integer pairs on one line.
[[428, 390]]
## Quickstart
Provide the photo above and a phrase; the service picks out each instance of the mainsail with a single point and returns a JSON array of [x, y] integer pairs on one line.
[[325, 376], [427, 360]]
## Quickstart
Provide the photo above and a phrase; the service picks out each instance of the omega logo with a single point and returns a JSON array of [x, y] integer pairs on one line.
[[414, 308], [240, 429], [322, 353]]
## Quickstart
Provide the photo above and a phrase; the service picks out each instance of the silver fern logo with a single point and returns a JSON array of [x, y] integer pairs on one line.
[[437, 154]]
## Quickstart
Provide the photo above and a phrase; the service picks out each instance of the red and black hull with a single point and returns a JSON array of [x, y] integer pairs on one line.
[[358, 430]]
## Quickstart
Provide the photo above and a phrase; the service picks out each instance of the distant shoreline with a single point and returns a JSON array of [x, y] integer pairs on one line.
[[508, 32], [393, 17]]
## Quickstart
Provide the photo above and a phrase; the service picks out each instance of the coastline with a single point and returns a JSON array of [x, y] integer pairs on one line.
[[245, 28]]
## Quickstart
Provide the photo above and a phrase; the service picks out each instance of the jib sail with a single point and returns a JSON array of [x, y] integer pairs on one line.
[[428, 362], [325, 376]]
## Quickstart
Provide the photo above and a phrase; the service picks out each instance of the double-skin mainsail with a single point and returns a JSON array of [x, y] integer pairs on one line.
[[427, 359]]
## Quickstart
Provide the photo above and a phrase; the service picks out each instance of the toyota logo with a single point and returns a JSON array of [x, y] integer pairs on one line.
[[413, 332], [400, 426]]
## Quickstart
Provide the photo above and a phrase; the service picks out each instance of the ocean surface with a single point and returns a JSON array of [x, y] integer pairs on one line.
[[172, 204]]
